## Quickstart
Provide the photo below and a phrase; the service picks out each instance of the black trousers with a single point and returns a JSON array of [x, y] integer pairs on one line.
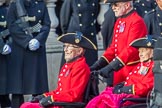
[[17, 100], [5, 101]]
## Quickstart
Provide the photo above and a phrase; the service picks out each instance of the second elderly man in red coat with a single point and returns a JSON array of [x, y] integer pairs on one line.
[[128, 27]]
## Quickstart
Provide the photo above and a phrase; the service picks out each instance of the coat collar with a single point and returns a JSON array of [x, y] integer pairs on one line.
[[123, 16]]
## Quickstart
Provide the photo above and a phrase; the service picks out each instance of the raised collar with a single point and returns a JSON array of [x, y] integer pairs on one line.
[[123, 16]]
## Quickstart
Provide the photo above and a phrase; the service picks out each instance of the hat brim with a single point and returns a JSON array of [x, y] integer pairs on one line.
[[141, 42], [70, 38], [115, 1]]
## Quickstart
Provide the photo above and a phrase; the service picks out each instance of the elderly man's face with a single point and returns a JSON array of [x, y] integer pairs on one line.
[[119, 8], [145, 54], [72, 51]]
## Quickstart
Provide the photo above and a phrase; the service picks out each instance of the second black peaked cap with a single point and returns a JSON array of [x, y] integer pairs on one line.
[[146, 42], [77, 39], [115, 1]]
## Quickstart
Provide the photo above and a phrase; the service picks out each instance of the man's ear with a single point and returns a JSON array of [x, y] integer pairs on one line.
[[151, 53], [128, 5], [81, 51]]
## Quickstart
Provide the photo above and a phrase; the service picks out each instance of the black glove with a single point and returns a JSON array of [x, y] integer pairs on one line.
[[105, 72], [99, 64], [116, 64], [46, 101], [118, 86], [124, 89], [37, 98]]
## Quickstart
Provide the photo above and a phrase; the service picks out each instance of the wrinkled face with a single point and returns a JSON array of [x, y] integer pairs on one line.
[[159, 3], [72, 51], [119, 8], [145, 54], [2, 2]]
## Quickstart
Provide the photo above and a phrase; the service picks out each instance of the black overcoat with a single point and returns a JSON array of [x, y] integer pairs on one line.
[[108, 27], [28, 69], [3, 58], [144, 6], [153, 21], [81, 15]]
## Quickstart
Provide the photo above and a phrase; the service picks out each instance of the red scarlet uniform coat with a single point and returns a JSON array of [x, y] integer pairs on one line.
[[127, 28], [141, 77], [72, 82], [142, 80]]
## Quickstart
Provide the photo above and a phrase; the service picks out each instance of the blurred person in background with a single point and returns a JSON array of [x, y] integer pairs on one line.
[[81, 15], [153, 20], [29, 25], [5, 50]]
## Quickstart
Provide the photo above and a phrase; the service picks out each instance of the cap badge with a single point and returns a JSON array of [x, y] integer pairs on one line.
[[77, 41], [149, 44], [78, 37]]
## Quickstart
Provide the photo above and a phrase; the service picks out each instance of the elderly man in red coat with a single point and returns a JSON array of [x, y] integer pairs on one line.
[[128, 27], [74, 75], [138, 82]]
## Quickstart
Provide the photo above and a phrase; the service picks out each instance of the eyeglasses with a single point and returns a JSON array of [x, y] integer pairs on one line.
[[70, 46]]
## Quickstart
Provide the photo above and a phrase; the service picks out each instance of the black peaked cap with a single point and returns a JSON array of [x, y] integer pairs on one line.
[[77, 39], [115, 1], [146, 42]]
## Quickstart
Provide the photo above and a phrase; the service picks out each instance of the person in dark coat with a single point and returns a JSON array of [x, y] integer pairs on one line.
[[144, 6], [107, 27], [153, 20], [28, 68], [5, 50], [81, 15], [57, 10]]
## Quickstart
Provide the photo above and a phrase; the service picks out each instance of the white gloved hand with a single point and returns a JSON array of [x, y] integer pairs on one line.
[[6, 49], [34, 44]]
